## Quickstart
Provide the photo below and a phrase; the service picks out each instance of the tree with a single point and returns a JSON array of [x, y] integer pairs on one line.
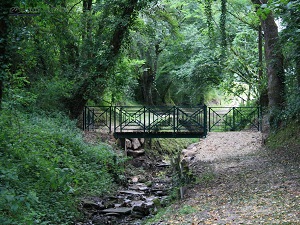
[[155, 28], [274, 59], [124, 14]]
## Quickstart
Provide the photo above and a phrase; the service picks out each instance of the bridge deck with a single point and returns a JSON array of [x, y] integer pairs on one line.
[[159, 135]]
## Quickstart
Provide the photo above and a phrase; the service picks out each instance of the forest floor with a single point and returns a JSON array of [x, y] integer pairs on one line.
[[238, 181]]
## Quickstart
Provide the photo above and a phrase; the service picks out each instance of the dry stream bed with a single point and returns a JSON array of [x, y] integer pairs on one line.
[[237, 181]]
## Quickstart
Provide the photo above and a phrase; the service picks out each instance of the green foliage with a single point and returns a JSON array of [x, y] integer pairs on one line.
[[185, 210], [123, 81], [16, 96], [49, 93], [45, 168]]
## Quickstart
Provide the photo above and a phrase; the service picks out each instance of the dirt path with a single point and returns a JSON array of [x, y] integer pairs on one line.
[[239, 182]]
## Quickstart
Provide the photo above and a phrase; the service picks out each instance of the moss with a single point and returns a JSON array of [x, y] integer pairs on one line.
[[288, 135], [169, 146], [285, 143]]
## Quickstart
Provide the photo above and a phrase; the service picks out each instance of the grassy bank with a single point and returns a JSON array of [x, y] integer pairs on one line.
[[45, 168]]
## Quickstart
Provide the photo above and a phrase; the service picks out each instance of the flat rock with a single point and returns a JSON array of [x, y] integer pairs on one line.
[[135, 153], [163, 165], [121, 210], [137, 203], [128, 192], [91, 204]]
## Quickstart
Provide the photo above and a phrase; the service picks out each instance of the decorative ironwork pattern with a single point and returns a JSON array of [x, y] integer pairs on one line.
[[169, 121], [234, 118], [156, 121]]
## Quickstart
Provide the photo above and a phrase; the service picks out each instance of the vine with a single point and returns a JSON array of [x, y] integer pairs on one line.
[[223, 25], [209, 18]]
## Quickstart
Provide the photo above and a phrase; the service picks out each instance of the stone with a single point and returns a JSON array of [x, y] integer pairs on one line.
[[135, 179], [163, 164], [143, 188], [135, 143], [121, 211], [137, 215], [137, 203], [142, 140], [90, 204], [135, 153], [142, 209], [128, 144], [128, 192]]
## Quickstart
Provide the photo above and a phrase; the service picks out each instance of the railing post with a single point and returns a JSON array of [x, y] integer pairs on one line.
[[174, 119], [115, 118], [205, 119], [110, 111], [209, 119], [144, 119], [83, 118], [233, 118], [120, 119], [88, 119], [259, 118], [93, 119]]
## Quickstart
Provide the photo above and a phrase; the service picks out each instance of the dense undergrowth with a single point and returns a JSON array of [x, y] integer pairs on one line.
[[45, 168]]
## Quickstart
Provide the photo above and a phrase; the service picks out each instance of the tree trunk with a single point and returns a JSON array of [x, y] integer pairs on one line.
[[274, 61], [262, 91], [149, 74], [147, 80]]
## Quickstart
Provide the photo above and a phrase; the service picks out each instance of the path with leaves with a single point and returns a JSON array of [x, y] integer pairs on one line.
[[260, 186]]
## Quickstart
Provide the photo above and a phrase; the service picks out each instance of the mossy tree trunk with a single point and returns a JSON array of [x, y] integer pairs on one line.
[[274, 62]]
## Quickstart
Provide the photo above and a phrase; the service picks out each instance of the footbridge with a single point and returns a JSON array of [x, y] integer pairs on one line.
[[169, 121]]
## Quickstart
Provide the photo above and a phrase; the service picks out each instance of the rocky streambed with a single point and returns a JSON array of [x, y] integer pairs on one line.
[[142, 196]]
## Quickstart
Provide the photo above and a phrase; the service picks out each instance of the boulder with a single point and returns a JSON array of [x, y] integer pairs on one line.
[[135, 143], [142, 141], [128, 143]]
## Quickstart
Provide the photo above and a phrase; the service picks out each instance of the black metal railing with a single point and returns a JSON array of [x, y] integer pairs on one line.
[[234, 118], [154, 121], [97, 117], [170, 121]]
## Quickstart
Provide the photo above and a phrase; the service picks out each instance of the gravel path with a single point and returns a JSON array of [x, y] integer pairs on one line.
[[238, 182], [221, 145]]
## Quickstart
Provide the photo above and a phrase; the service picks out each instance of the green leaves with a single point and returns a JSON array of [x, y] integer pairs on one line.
[[45, 167]]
